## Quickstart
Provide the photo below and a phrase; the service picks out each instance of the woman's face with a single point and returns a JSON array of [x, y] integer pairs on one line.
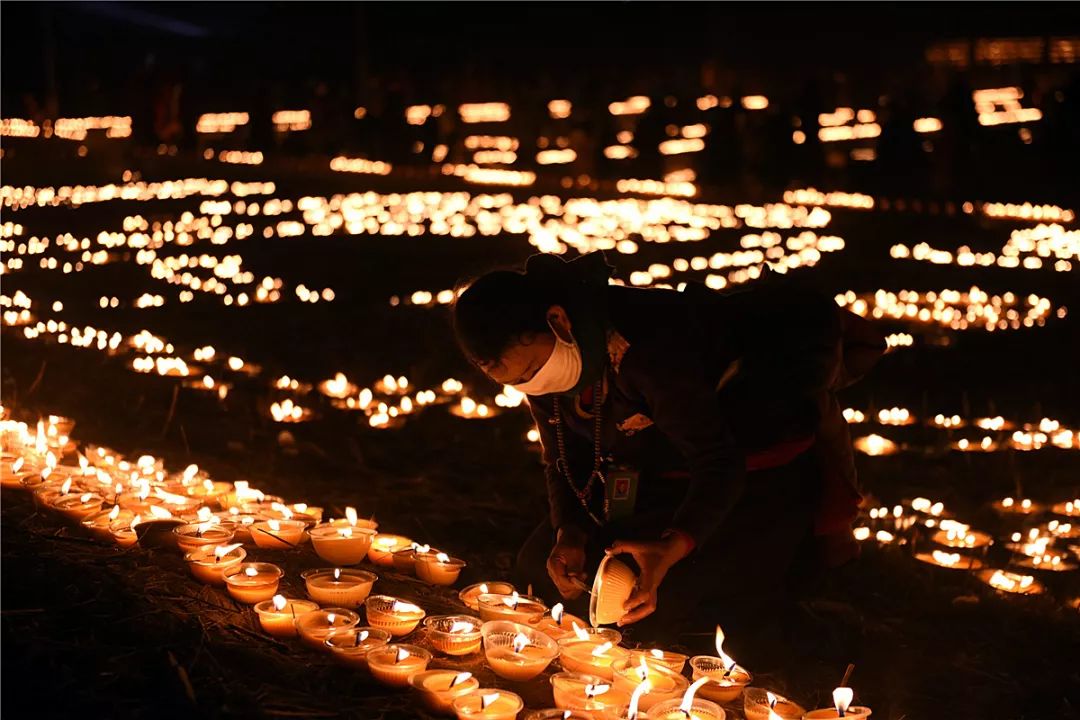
[[523, 359]]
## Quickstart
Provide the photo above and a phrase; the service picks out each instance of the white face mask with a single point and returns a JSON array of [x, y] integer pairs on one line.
[[560, 373]]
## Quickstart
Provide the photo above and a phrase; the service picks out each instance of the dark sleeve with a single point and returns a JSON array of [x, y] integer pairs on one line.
[[564, 505], [674, 384]]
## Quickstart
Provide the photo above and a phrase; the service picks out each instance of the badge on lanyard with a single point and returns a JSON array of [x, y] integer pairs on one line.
[[620, 492]]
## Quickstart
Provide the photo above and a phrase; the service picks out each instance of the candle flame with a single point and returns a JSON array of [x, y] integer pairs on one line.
[[946, 559], [772, 699], [337, 573], [222, 550], [66, 487], [274, 525], [726, 660], [643, 669], [350, 515], [135, 521], [460, 678], [404, 607], [512, 601], [114, 513], [841, 698], [204, 514], [331, 618], [46, 472], [160, 513], [461, 626], [402, 653], [85, 497], [688, 699], [557, 613], [483, 588], [442, 557], [17, 465], [279, 602], [635, 699], [658, 654], [252, 572], [345, 532], [486, 700], [579, 631], [592, 691], [521, 641], [600, 650]]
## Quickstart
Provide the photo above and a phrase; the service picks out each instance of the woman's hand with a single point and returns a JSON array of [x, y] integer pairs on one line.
[[566, 563], [654, 558]]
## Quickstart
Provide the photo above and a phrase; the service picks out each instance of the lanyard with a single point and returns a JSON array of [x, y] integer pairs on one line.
[[563, 466]]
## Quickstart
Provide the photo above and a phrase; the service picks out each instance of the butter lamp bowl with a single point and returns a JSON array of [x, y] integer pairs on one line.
[[611, 588]]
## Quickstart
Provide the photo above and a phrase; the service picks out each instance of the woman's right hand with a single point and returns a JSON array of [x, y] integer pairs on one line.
[[566, 563]]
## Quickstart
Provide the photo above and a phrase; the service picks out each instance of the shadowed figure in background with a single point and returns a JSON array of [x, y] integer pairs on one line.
[[694, 432]]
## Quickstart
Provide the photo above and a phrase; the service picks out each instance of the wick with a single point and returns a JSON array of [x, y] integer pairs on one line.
[[292, 608], [356, 640], [730, 669], [279, 539]]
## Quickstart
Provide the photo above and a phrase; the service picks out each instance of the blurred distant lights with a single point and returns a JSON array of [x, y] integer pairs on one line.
[[131, 190], [212, 123], [491, 112], [236, 157], [490, 176], [360, 165], [77, 129], [555, 157], [656, 187], [291, 120], [505, 143], [1001, 106], [288, 411], [925, 125], [895, 340], [848, 124], [630, 106], [796, 251], [620, 152], [811, 196], [1026, 248], [952, 308], [560, 109], [418, 114]]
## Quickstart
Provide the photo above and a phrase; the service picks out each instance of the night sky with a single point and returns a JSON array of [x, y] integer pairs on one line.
[[227, 48]]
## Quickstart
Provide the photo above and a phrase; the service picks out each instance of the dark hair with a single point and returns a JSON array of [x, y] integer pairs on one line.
[[496, 311]]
